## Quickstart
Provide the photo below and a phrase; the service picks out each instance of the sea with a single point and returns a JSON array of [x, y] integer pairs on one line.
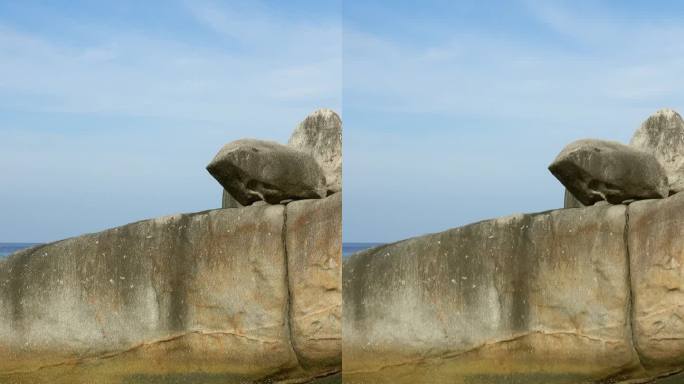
[[347, 248], [7, 248]]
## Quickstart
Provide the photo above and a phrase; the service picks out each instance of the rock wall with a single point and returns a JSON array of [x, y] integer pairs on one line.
[[217, 296], [656, 247], [575, 295], [313, 245]]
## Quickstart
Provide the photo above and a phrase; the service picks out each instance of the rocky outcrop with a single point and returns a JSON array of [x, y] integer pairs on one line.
[[255, 170], [570, 201], [320, 135], [662, 134], [656, 248], [587, 295], [517, 298], [217, 296], [313, 246], [228, 201], [240, 295], [598, 170], [593, 170]]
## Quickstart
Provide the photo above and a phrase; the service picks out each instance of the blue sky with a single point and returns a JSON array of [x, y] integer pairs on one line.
[[453, 110], [109, 111]]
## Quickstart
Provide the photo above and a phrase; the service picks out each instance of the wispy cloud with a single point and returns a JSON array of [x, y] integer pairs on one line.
[[592, 61], [114, 122], [278, 64], [256, 27], [474, 116]]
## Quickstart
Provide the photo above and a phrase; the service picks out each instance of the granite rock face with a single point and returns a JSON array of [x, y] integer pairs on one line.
[[570, 201], [320, 135], [314, 249], [541, 298], [656, 247], [662, 134], [255, 170], [586, 295], [204, 297], [596, 170]]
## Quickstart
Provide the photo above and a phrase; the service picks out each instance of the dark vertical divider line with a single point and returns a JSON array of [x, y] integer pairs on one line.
[[288, 284], [630, 303]]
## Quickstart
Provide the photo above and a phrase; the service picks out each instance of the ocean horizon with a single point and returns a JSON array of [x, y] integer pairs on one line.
[[347, 248], [8, 248]]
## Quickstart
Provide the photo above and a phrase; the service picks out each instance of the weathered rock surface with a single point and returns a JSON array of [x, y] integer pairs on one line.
[[540, 298], [587, 295], [320, 134], [201, 297], [662, 134], [570, 201], [229, 201], [596, 170], [314, 249], [656, 248], [255, 170]]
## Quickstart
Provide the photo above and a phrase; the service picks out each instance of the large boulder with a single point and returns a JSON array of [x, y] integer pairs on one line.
[[254, 170], [586, 295], [656, 249], [204, 297], [662, 134], [596, 170], [539, 298], [320, 134]]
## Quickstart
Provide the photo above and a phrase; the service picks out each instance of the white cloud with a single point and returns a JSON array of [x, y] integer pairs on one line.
[[598, 60], [119, 125], [462, 127], [285, 67]]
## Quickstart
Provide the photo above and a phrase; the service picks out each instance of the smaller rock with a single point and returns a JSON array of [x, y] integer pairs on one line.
[[229, 201], [320, 135], [570, 201], [595, 170], [254, 170], [662, 134]]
